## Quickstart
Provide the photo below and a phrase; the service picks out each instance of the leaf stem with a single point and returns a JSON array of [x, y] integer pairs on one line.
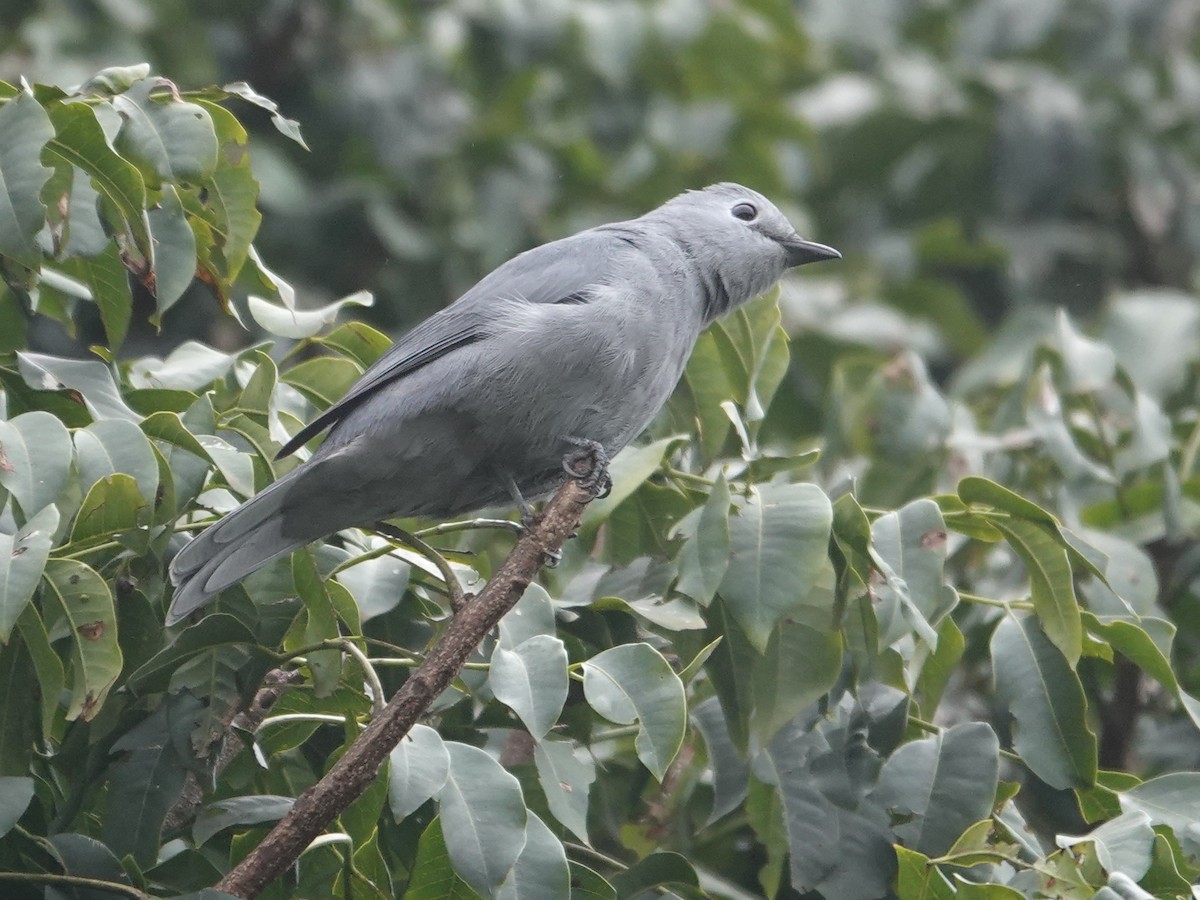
[[453, 588]]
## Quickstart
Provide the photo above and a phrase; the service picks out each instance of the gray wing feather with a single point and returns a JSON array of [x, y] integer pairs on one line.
[[562, 271]]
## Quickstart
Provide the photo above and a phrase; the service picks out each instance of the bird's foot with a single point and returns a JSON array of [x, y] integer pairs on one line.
[[588, 464], [552, 558]]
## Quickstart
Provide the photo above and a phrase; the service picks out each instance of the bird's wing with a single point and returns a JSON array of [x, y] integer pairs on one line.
[[564, 271]]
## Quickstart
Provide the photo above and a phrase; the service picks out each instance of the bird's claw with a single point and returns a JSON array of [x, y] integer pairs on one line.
[[553, 558], [588, 464]]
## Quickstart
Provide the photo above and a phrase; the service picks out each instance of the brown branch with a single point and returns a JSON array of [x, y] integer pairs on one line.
[[358, 767], [273, 685]]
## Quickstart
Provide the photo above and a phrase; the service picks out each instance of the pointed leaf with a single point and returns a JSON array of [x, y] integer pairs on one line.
[[174, 251], [79, 140], [940, 785], [113, 446], [168, 139], [541, 870], [1045, 697], [531, 679], [35, 459], [1051, 585], [419, 767], [15, 796], [78, 604], [296, 323], [23, 558], [566, 778], [633, 683], [24, 130], [705, 554], [778, 549], [483, 815]]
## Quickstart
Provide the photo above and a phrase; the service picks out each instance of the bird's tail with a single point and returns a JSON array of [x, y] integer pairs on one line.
[[230, 549]]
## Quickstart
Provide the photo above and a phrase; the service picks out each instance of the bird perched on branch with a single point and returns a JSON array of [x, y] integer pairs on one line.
[[555, 360]]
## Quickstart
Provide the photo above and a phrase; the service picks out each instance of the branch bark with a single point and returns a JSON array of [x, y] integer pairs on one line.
[[359, 766]]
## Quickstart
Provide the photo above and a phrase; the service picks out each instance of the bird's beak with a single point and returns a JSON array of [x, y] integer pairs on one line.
[[800, 251]]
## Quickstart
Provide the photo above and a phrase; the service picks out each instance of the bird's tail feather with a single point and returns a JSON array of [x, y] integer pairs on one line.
[[230, 549]]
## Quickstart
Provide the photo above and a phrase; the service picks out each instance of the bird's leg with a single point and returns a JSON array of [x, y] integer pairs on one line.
[[527, 513], [588, 464], [553, 557]]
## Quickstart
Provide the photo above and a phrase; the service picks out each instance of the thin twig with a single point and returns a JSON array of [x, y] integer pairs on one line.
[[469, 524], [453, 588], [93, 884]]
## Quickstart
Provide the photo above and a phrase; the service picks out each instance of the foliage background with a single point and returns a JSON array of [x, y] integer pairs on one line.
[[981, 163]]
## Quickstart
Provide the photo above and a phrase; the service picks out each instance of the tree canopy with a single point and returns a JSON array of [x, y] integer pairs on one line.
[[896, 598]]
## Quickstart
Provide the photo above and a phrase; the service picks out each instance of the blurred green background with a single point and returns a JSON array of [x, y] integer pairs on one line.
[[976, 160]]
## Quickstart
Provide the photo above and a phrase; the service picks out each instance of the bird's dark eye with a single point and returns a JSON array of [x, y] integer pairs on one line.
[[747, 212]]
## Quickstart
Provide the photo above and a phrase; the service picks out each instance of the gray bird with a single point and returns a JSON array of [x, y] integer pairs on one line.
[[572, 346]]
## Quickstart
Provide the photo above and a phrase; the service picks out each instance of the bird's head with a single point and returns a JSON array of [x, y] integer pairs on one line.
[[740, 241]]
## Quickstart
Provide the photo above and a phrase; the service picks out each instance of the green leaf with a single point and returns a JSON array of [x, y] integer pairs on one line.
[[800, 665], [531, 679], [79, 140], [566, 778], [1045, 697], [111, 507], [418, 769], [18, 710], [92, 381], [705, 553], [323, 380], [484, 817], [633, 683], [730, 667], [320, 623], [708, 386], [289, 128], [940, 785], [909, 548], [23, 558], [251, 810], [377, 585], [231, 204], [359, 341], [113, 446], [1150, 655], [973, 489], [16, 793], [1051, 585], [778, 548], [174, 251], [47, 666], [168, 139], [108, 281], [143, 786], [731, 773], [541, 870], [1124, 844], [919, 879], [433, 875], [938, 667], [1172, 800], [24, 130], [302, 323], [35, 459], [191, 366], [78, 604]]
